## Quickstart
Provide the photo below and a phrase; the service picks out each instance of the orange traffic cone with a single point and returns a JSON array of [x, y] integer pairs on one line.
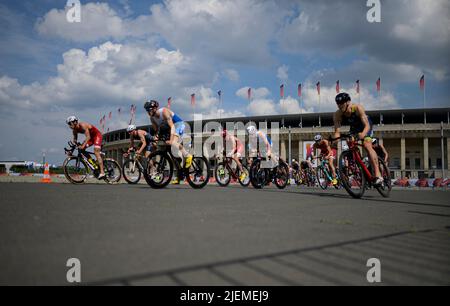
[[46, 178]]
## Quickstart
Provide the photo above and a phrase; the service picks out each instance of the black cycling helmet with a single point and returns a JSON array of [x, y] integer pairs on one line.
[[151, 104], [342, 98]]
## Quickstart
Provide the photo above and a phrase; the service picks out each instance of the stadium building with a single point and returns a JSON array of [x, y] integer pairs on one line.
[[418, 140]]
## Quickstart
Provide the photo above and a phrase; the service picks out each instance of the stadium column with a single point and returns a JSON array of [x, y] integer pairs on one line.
[[426, 165], [448, 157], [300, 150], [402, 156], [283, 149]]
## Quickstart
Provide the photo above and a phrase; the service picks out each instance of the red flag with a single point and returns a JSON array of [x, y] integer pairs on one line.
[[338, 87], [299, 90], [110, 115], [282, 91], [379, 84], [422, 82], [169, 102], [249, 93], [357, 86], [193, 99], [318, 88]]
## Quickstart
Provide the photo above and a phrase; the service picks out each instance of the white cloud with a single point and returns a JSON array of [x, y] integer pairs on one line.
[[282, 73], [231, 74], [257, 93], [261, 107], [99, 21]]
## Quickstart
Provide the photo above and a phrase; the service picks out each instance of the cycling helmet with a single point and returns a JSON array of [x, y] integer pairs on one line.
[[342, 98], [317, 138], [131, 128], [375, 141], [251, 130], [151, 104], [293, 161], [71, 119]]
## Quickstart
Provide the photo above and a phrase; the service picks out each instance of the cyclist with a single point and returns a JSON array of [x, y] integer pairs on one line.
[[326, 153], [380, 150], [254, 135], [360, 124], [295, 169], [93, 137], [159, 116], [236, 152], [147, 140]]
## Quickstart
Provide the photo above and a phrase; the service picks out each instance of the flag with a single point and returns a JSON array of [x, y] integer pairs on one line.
[[338, 87], [379, 84], [169, 102], [422, 82], [357, 86], [118, 111], [193, 99], [318, 88], [249, 93], [299, 90], [219, 93], [282, 91], [110, 115]]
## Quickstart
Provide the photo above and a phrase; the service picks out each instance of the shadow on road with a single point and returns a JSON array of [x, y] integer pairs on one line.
[[426, 249]]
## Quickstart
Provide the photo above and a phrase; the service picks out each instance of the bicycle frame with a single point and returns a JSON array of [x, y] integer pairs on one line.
[[227, 162], [353, 147], [323, 165]]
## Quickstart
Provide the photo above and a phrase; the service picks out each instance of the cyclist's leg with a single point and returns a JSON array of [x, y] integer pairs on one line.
[[373, 157], [97, 142], [331, 164]]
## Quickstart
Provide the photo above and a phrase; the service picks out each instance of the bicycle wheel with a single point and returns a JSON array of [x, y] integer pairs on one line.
[[246, 181], [112, 170], [222, 175], [159, 170], [322, 178], [386, 187], [352, 175], [75, 170], [198, 173], [281, 175], [131, 171], [257, 175]]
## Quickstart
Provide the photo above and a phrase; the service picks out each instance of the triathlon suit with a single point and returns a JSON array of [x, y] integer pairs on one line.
[[149, 139], [96, 136], [177, 121], [324, 150], [239, 145], [356, 124], [295, 166]]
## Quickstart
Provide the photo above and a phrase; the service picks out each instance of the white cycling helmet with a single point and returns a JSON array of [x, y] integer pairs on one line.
[[251, 130], [71, 119], [317, 138], [131, 128]]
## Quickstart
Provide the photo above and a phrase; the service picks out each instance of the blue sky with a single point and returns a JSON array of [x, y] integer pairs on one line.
[[124, 52]]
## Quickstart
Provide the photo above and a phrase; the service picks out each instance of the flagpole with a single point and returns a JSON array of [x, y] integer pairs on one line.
[[424, 99]]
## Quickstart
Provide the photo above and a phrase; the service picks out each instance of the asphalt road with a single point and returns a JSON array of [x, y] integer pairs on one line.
[[133, 235]]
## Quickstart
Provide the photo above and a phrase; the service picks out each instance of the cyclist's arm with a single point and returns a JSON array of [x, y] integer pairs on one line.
[[143, 141], [386, 154], [168, 118], [75, 137], [337, 118], [328, 149], [365, 121], [87, 134]]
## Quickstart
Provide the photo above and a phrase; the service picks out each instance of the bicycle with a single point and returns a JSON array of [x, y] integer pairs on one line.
[[77, 168], [133, 166], [259, 177], [161, 165], [356, 177], [224, 171], [324, 176]]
